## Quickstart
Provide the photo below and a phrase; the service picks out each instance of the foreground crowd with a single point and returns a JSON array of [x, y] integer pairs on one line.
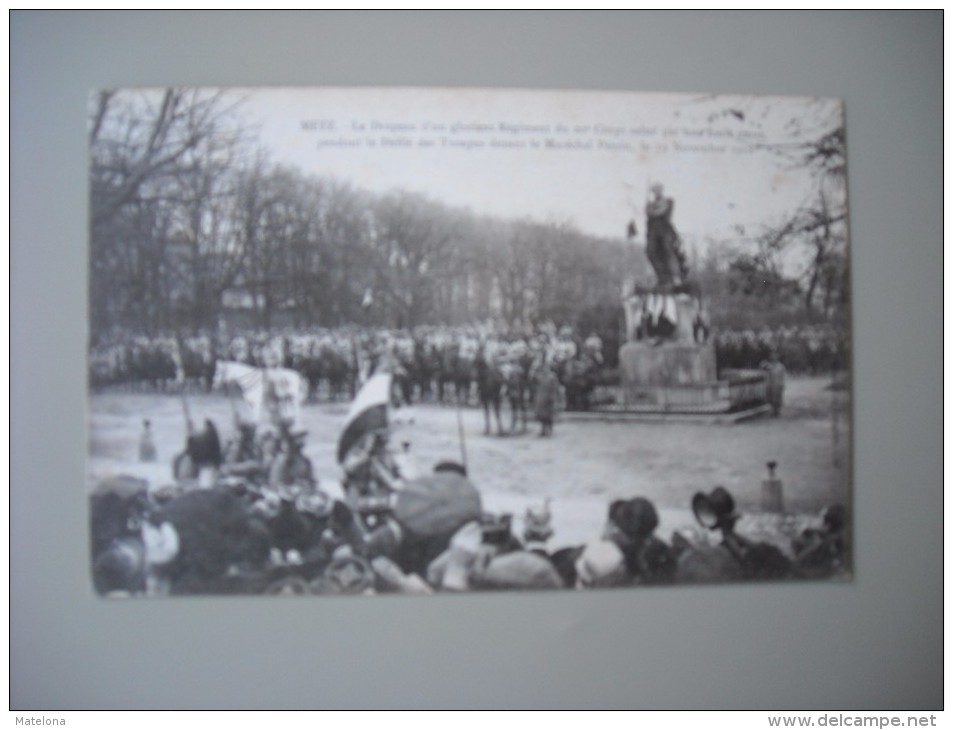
[[249, 517]]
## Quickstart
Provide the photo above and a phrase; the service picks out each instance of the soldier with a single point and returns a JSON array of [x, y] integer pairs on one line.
[[564, 348], [547, 392], [147, 446], [593, 347]]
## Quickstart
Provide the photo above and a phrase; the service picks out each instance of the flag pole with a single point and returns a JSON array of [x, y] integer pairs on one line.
[[462, 438], [230, 393], [190, 428]]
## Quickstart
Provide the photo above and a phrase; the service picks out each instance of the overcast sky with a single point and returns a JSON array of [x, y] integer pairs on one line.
[[594, 171]]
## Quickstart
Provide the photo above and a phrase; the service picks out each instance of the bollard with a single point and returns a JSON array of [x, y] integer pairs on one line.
[[772, 499]]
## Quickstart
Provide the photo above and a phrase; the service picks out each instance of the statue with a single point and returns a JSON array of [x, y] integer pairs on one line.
[[671, 311], [663, 245], [667, 363]]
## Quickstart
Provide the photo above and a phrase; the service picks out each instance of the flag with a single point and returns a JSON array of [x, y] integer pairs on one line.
[[249, 381], [368, 412], [285, 392]]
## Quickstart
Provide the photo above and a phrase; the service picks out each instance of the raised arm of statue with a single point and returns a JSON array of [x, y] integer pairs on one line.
[[660, 208]]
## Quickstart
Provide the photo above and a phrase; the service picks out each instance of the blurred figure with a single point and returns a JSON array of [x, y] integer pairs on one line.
[[775, 372], [630, 525], [822, 552], [601, 564], [147, 446]]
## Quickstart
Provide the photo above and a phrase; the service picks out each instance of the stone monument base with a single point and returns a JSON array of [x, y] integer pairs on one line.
[[641, 363], [663, 370], [680, 378]]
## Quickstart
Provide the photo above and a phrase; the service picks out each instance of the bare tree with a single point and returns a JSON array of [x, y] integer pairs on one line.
[[158, 174], [411, 237], [812, 238]]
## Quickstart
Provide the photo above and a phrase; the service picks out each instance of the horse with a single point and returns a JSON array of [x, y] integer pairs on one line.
[[275, 392], [340, 372], [516, 388], [426, 366], [197, 364], [490, 390], [249, 381], [457, 372], [403, 378], [308, 363], [447, 357]]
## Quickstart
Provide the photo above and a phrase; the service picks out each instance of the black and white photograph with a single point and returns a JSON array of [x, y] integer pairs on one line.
[[363, 341]]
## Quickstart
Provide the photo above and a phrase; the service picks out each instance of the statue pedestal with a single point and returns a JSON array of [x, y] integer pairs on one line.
[[672, 363], [671, 377], [663, 370]]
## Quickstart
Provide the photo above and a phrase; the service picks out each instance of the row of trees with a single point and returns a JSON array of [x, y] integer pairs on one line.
[[189, 219], [190, 222]]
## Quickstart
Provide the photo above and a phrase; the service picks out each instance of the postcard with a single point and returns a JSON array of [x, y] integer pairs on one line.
[[361, 341]]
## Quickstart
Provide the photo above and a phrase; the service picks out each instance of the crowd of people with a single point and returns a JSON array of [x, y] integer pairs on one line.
[[813, 350], [436, 364], [431, 364], [248, 514], [234, 524]]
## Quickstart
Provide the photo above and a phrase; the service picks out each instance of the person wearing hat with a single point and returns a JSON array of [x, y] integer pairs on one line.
[[630, 525], [756, 560], [593, 347], [564, 348]]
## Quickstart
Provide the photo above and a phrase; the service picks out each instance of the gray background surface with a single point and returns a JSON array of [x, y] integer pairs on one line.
[[872, 644]]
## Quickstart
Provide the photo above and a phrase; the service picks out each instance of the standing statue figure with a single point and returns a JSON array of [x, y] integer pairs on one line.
[[663, 245]]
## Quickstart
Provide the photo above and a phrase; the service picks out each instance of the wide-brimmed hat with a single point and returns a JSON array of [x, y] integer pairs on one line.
[[715, 509], [636, 517]]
